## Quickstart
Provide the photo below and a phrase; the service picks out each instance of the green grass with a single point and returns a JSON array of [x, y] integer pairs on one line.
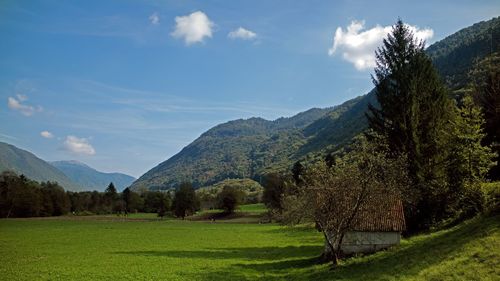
[[253, 208], [143, 248]]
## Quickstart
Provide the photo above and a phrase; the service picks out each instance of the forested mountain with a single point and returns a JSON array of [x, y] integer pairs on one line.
[[23, 162], [456, 54], [253, 147], [90, 178]]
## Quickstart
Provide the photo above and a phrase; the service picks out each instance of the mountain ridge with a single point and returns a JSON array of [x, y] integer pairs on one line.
[[90, 178], [24, 162], [255, 146]]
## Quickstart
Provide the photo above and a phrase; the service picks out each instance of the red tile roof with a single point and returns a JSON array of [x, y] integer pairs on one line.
[[384, 215]]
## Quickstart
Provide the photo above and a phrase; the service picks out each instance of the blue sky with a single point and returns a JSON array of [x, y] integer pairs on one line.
[[124, 85]]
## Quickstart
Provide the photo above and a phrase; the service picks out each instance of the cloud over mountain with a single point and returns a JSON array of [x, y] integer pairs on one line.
[[358, 44], [78, 145]]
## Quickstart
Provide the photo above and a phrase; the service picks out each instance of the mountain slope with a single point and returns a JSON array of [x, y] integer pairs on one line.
[[455, 55], [253, 147], [24, 162], [90, 178], [236, 149]]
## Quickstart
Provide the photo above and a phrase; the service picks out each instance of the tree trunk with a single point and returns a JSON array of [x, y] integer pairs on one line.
[[333, 253]]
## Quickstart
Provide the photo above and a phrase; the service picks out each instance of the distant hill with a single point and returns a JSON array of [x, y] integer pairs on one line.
[[253, 147], [90, 178], [23, 162]]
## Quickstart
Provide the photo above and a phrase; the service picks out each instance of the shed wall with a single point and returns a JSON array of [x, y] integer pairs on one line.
[[367, 242]]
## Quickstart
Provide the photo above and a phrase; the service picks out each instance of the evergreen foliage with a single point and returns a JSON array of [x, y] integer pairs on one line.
[[414, 110]]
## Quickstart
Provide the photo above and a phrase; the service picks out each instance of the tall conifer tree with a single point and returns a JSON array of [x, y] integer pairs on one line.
[[413, 110]]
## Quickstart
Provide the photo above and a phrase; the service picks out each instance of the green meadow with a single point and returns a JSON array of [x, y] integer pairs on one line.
[[142, 247]]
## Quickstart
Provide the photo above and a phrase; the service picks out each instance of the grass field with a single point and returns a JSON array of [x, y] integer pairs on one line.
[[144, 248]]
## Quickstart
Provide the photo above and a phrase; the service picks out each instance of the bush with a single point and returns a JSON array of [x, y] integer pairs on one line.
[[229, 198], [491, 193]]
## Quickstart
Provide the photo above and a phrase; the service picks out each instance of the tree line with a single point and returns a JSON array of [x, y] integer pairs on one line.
[[22, 197]]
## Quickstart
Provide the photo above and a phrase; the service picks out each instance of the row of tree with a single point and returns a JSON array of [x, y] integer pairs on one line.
[[22, 197]]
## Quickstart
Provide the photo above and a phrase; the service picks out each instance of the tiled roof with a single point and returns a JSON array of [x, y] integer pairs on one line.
[[381, 214]]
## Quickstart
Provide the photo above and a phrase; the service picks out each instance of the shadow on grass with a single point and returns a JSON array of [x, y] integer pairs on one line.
[[399, 263], [245, 253], [409, 259], [300, 263]]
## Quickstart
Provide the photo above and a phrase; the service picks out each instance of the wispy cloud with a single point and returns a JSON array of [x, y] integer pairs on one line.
[[17, 103], [46, 134], [79, 146], [193, 28], [242, 33], [154, 18], [9, 137], [161, 102], [358, 45]]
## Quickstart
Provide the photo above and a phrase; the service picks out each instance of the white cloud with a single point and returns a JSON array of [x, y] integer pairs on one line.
[[46, 134], [358, 45], [154, 18], [17, 104], [193, 28], [78, 145], [242, 33]]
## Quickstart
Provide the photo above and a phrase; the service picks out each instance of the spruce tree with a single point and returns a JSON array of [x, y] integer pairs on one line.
[[413, 110], [111, 196]]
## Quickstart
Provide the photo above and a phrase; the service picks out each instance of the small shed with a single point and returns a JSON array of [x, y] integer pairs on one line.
[[375, 227]]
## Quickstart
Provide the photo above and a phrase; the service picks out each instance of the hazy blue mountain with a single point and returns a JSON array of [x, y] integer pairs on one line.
[[252, 147], [23, 162], [91, 179]]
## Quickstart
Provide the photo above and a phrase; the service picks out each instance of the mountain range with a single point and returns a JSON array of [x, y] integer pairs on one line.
[[23, 162], [253, 147], [72, 175], [90, 178]]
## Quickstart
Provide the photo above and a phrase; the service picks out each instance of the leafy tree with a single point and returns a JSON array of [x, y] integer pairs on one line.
[[413, 111], [486, 90], [274, 187], [363, 180], [55, 199], [19, 196], [164, 204], [229, 198], [151, 201], [185, 201], [469, 161], [132, 200]]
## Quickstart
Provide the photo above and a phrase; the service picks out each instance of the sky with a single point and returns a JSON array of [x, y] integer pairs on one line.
[[124, 85]]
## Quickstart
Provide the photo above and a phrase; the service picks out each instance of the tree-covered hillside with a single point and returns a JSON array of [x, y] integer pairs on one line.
[[236, 149], [455, 55], [253, 147], [23, 162]]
